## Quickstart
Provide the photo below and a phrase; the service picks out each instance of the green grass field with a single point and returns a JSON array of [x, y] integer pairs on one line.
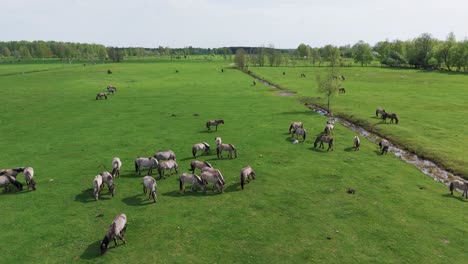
[[296, 211]]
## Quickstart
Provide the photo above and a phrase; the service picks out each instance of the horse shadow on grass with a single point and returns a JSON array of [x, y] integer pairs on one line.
[[87, 196], [349, 149], [460, 198], [92, 251], [233, 187], [138, 200]]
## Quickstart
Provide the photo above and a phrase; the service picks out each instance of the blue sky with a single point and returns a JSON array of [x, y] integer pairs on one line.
[[211, 23]]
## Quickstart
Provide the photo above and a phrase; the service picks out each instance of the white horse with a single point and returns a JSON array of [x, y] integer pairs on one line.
[[216, 180], [246, 174], [218, 141], [165, 155], [150, 183], [116, 229], [215, 172], [193, 179], [149, 163], [228, 147], [167, 165], [199, 164], [28, 177], [329, 127], [6, 180], [108, 179], [356, 143], [97, 184], [116, 164], [200, 146], [461, 185], [294, 125]]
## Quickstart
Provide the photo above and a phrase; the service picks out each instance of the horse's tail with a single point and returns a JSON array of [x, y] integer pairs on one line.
[[305, 135], [208, 125], [242, 178], [235, 150], [194, 152], [136, 167], [180, 184], [290, 127], [451, 187], [377, 112]]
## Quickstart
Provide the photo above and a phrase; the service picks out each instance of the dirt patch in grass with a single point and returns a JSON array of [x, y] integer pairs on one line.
[[286, 93]]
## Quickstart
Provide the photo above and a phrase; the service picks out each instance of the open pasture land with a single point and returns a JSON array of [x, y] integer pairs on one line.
[[431, 106], [296, 211]]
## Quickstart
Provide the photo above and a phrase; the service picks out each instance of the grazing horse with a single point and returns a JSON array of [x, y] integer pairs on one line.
[[167, 165], [200, 146], [384, 146], [12, 172], [194, 179], [101, 95], [150, 183], [28, 177], [6, 180], [97, 184], [461, 185], [323, 139], [357, 143], [149, 163], [165, 155], [116, 164], [213, 178], [294, 125], [341, 90], [218, 141], [199, 164], [299, 132], [108, 179], [214, 172], [111, 89], [214, 123], [245, 175], [228, 147], [379, 111], [116, 229], [392, 117]]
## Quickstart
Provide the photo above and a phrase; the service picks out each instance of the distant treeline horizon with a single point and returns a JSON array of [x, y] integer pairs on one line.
[[424, 52]]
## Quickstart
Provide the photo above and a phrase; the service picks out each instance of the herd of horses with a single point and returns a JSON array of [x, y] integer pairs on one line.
[[110, 90]]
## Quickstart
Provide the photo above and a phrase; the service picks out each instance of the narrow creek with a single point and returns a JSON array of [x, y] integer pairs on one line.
[[425, 166]]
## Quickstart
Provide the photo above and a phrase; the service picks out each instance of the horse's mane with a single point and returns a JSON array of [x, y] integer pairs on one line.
[[208, 164]]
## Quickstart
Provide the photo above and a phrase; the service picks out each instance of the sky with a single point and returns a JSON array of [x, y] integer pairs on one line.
[[220, 23]]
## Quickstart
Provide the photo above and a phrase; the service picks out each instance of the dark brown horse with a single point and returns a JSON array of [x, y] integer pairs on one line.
[[214, 123], [392, 116]]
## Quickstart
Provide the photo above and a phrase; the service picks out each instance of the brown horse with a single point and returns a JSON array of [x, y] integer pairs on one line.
[[461, 185], [392, 117], [379, 111], [214, 123], [324, 139]]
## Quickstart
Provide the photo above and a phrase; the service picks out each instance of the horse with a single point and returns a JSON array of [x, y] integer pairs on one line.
[[116, 229], [214, 123], [28, 177], [12, 172], [101, 95], [218, 141], [299, 132], [245, 175], [294, 125], [167, 165], [341, 90], [357, 143], [165, 155], [200, 146], [111, 89], [116, 164], [461, 185], [343, 77], [392, 117], [150, 183], [97, 184], [384, 146], [213, 178], [149, 163], [108, 179], [329, 127], [6, 180], [194, 179], [379, 111], [199, 164], [214, 172], [228, 147], [323, 139]]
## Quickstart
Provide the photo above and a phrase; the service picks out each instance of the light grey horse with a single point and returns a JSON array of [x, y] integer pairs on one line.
[[216, 180], [214, 172], [150, 183], [149, 163], [200, 146], [108, 179], [218, 141], [116, 164], [7, 180], [199, 164], [294, 125], [97, 184], [165, 155], [116, 229], [227, 147], [356, 143], [167, 165], [193, 179], [245, 175], [28, 177], [299, 132]]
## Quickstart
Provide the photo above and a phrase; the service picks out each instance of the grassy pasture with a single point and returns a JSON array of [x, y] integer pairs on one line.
[[297, 211], [431, 106]]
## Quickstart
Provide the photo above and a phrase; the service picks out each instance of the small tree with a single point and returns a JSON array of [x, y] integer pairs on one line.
[[239, 58], [328, 84]]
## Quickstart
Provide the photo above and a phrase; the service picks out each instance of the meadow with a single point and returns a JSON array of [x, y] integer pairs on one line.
[[296, 211]]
